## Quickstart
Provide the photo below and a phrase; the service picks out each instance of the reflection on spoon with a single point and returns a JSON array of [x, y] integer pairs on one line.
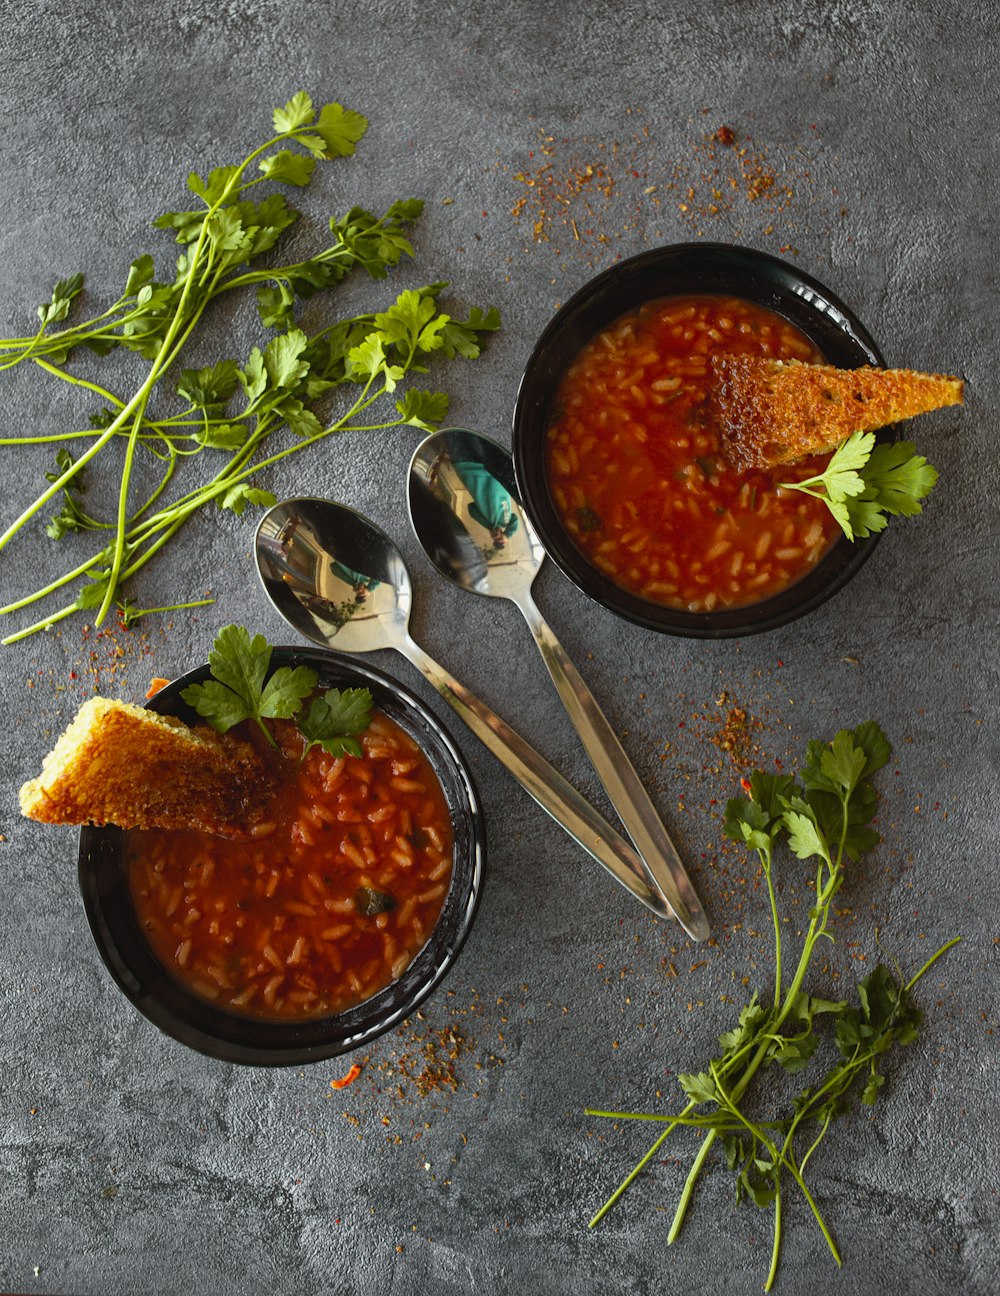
[[467, 516], [340, 581]]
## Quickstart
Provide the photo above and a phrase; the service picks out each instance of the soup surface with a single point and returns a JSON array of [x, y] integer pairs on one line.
[[635, 467], [331, 902]]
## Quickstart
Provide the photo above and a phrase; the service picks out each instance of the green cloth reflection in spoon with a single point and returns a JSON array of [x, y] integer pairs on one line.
[[360, 583], [491, 507]]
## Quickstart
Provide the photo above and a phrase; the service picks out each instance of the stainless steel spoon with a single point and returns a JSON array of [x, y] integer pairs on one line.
[[340, 581], [465, 511]]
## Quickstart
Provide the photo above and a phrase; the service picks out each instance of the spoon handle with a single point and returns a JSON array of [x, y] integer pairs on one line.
[[543, 782], [623, 785]]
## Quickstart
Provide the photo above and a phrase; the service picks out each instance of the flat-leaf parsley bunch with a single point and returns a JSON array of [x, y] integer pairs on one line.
[[826, 817], [230, 409], [242, 689]]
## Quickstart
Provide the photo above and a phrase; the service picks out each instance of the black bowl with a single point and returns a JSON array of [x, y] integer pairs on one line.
[[221, 1034], [677, 270]]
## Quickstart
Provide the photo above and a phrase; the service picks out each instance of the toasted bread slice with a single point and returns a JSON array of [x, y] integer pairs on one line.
[[772, 411], [120, 764]]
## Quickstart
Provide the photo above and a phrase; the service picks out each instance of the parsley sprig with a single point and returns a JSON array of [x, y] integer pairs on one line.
[[314, 383], [865, 482], [826, 817], [243, 687]]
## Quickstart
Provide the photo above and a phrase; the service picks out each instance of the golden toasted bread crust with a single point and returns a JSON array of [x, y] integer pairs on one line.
[[121, 764], [771, 412]]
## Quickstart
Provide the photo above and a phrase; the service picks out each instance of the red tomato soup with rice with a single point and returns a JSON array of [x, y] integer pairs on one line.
[[635, 467], [330, 902]]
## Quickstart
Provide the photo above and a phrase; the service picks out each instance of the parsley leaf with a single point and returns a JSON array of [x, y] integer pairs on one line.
[[274, 305], [423, 409], [283, 359], [292, 168], [340, 129], [864, 482], [700, 1087], [140, 275], [72, 516], [57, 307], [223, 436], [239, 496], [462, 338], [212, 190], [334, 720], [896, 480], [303, 422], [805, 837], [209, 387], [297, 112]]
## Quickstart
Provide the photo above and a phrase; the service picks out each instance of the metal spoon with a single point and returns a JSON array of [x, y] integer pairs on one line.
[[340, 581], [466, 514]]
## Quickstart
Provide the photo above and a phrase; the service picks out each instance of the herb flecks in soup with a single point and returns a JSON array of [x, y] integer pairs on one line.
[[635, 467], [332, 901]]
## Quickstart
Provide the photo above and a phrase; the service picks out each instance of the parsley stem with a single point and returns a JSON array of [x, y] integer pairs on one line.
[[816, 1142], [765, 858], [778, 1158], [40, 625], [753, 1066], [930, 962], [133, 614], [688, 1189], [265, 731], [630, 1178], [12, 344], [51, 588], [691, 1122], [54, 438], [26, 353], [776, 1245], [118, 547], [796, 1175], [637, 1170], [80, 382]]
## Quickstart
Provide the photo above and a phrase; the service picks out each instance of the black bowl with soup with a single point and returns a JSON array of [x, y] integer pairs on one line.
[[620, 470], [332, 923]]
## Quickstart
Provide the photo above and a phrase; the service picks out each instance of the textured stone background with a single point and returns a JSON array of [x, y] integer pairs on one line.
[[128, 1163]]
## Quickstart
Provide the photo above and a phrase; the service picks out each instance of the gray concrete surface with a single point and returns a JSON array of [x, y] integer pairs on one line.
[[127, 1163]]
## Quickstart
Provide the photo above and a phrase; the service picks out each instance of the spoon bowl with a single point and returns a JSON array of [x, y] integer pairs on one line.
[[466, 515], [333, 575]]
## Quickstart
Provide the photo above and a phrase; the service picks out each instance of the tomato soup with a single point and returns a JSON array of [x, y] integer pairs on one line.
[[635, 468], [332, 900]]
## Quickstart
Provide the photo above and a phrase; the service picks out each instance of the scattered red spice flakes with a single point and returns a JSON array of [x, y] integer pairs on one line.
[[428, 1058], [568, 194], [723, 174], [110, 651], [99, 660], [735, 733], [599, 191], [433, 1065]]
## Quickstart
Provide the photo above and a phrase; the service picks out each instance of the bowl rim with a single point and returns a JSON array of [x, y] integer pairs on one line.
[[315, 1039], [843, 559]]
